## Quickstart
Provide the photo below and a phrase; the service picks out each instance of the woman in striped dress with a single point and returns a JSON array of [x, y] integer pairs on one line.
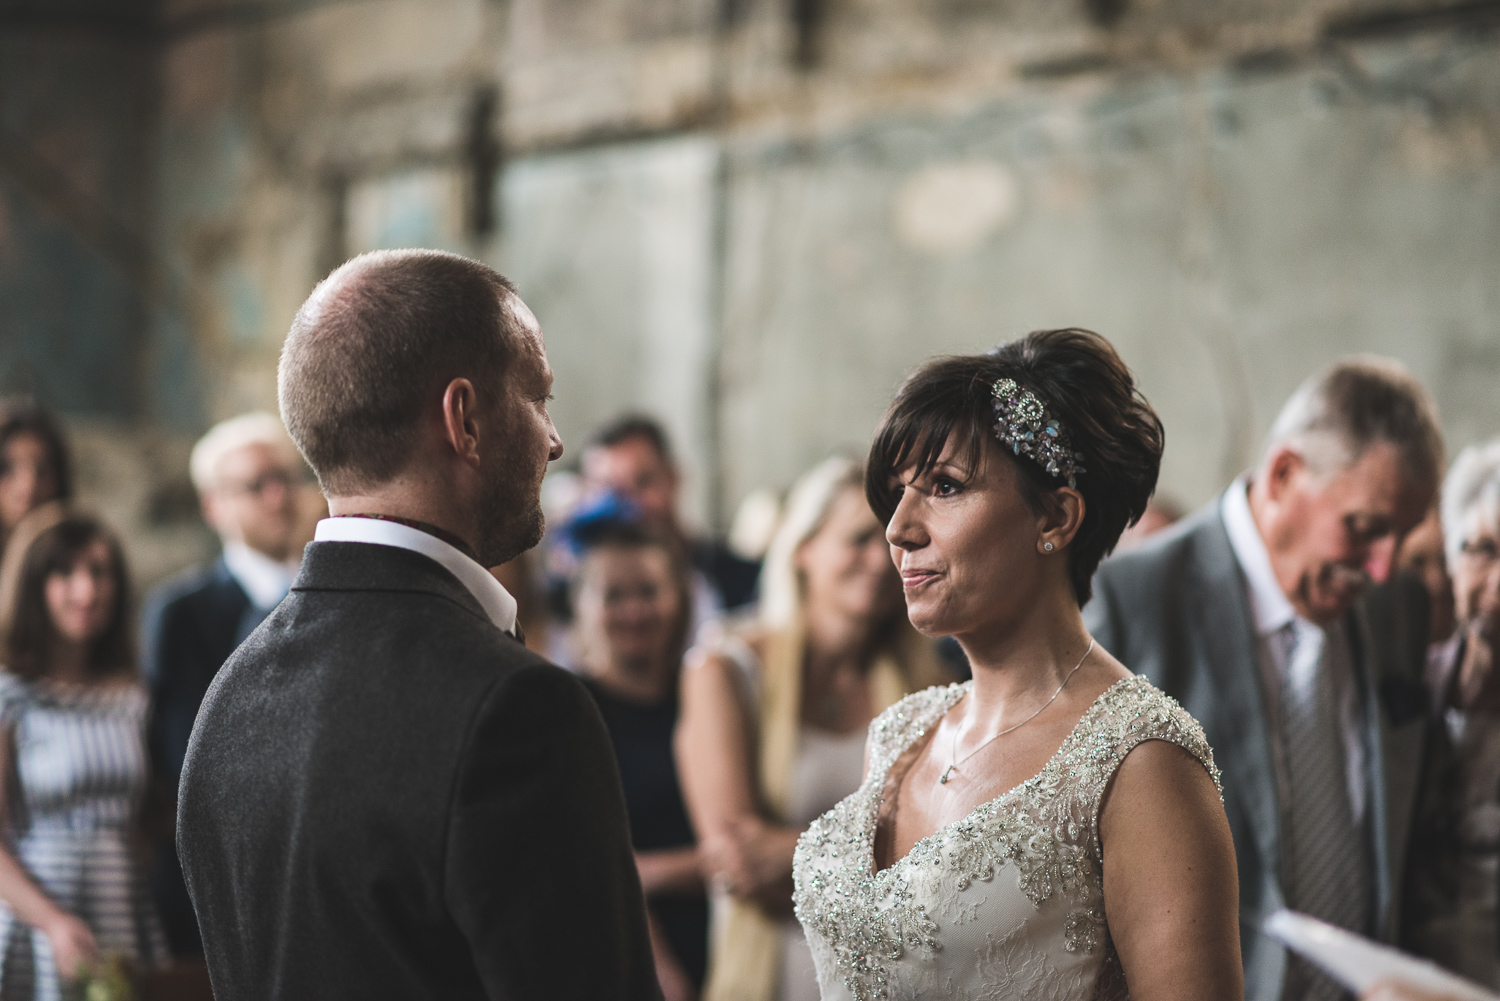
[[71, 717]]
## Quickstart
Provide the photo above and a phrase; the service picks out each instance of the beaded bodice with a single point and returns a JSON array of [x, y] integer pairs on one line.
[[1007, 902]]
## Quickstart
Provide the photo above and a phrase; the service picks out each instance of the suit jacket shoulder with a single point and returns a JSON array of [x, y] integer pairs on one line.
[[387, 797], [1147, 602]]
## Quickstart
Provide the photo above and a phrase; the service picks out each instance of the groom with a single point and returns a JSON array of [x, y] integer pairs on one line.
[[386, 795]]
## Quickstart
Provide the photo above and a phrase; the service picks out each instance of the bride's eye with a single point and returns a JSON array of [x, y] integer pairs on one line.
[[945, 486]]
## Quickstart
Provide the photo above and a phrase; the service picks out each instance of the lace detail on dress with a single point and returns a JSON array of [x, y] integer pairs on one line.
[[1047, 828]]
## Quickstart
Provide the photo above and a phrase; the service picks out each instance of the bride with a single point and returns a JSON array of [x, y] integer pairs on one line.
[[1053, 829]]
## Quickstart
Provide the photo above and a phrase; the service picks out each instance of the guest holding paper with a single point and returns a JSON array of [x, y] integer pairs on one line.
[[1274, 616]]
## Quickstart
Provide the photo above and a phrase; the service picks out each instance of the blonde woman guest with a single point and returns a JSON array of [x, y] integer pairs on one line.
[[773, 722], [72, 711]]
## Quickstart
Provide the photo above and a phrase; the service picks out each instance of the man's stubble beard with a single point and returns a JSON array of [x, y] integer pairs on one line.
[[510, 517]]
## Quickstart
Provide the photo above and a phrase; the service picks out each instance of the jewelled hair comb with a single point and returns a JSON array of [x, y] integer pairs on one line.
[[1022, 422]]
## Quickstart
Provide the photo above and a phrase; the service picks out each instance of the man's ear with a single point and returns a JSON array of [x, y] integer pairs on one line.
[[208, 503], [1282, 466], [460, 420]]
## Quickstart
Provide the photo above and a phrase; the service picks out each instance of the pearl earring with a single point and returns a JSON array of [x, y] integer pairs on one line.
[[1048, 547]]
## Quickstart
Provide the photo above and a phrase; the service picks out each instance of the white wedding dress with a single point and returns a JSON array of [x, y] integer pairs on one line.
[[1007, 903]]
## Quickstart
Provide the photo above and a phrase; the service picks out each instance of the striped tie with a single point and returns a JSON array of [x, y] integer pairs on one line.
[[1327, 865]]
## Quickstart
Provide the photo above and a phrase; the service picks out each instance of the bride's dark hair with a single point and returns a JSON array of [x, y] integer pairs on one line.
[[1082, 382]]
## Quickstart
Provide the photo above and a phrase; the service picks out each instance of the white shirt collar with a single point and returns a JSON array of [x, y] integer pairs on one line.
[[1268, 602], [265, 581], [492, 597]]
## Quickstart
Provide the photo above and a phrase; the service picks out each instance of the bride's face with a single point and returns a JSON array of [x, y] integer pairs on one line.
[[965, 541]]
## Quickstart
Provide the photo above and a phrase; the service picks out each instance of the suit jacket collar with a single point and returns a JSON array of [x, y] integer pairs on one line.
[[1229, 646], [1389, 631], [358, 566], [1377, 626]]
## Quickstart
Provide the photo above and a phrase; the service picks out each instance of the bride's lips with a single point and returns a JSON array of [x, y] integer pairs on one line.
[[913, 579]]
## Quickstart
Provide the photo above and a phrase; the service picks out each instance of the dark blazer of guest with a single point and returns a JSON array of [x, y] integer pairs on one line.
[[190, 626], [385, 796], [1178, 611]]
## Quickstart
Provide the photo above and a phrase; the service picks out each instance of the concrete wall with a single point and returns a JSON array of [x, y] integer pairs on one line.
[[753, 216]]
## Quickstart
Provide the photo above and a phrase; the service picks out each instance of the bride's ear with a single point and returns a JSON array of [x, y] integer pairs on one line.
[[1061, 518]]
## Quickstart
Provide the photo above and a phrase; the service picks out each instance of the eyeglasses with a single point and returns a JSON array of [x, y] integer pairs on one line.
[[265, 481], [1484, 552]]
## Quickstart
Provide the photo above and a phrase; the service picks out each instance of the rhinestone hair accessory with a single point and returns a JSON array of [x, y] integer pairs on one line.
[[1022, 422]]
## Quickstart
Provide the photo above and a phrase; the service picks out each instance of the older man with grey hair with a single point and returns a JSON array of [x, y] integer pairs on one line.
[[248, 474], [1452, 914], [1273, 617]]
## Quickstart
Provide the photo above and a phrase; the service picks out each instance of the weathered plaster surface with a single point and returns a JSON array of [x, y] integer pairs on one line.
[[754, 221]]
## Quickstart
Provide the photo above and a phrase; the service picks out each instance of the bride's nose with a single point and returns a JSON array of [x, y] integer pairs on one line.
[[906, 530]]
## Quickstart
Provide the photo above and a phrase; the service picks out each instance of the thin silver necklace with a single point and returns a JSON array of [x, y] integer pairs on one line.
[[954, 760]]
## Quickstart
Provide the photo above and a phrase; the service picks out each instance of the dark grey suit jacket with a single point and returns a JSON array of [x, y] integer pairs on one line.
[[1178, 611], [190, 626], [385, 796]]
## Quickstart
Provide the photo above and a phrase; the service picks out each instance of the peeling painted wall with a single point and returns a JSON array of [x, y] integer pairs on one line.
[[754, 216]]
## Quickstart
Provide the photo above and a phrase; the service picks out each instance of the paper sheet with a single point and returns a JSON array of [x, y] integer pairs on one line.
[[1358, 963]]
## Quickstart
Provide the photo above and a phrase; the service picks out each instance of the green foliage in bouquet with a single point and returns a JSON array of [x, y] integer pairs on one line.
[[110, 981]]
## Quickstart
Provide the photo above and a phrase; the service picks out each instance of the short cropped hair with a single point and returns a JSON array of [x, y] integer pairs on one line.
[[371, 345], [1083, 384], [628, 426], [257, 428], [1354, 403], [1471, 496], [23, 415]]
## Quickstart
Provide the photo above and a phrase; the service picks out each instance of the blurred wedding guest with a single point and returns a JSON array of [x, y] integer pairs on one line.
[[1260, 616], [632, 458], [248, 474], [630, 602], [34, 466], [1160, 514], [1421, 555], [774, 719], [72, 710], [1452, 913]]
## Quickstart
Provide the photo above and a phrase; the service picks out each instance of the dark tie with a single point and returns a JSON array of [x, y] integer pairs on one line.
[[1327, 869]]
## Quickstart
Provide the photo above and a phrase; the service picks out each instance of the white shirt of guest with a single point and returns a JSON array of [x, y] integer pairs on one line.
[[492, 597], [1273, 613], [265, 581]]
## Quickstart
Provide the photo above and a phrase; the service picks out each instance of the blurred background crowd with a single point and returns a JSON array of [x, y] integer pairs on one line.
[[794, 633], [739, 223]]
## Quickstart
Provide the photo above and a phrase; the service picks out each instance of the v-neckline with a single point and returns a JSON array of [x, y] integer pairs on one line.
[[872, 818]]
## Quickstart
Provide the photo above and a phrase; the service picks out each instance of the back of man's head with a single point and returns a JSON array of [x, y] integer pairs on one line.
[[372, 345], [1357, 402]]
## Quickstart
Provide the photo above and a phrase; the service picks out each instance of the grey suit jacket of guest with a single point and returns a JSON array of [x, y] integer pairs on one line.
[[385, 796], [1178, 611]]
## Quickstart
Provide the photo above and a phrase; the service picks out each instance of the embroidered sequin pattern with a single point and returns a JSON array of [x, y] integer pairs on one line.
[[1047, 829]]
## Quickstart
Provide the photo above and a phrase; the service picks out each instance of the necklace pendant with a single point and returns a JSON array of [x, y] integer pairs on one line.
[[947, 774]]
